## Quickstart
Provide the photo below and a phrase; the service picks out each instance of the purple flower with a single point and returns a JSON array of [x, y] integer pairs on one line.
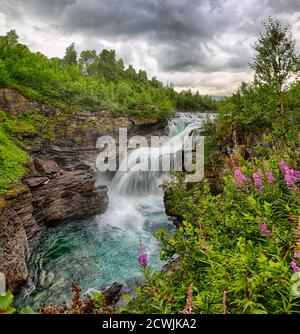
[[291, 176], [290, 179], [258, 182], [297, 255], [270, 177], [267, 234], [263, 227], [282, 165], [143, 259], [295, 266], [241, 180], [240, 176]]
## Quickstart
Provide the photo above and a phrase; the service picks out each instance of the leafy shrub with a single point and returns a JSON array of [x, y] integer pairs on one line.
[[6, 302], [235, 248]]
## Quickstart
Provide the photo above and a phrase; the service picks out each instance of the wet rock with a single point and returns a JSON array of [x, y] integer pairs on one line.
[[129, 288], [62, 195], [113, 293]]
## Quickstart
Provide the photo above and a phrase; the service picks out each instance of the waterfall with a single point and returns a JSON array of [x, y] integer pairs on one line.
[[103, 249], [135, 175]]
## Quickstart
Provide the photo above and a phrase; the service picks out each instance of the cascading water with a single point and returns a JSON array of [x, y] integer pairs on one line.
[[140, 178], [98, 251]]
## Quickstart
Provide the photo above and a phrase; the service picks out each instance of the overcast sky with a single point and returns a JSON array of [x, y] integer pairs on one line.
[[198, 44]]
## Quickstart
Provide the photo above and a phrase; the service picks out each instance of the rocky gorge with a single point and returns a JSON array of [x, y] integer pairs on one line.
[[59, 184]]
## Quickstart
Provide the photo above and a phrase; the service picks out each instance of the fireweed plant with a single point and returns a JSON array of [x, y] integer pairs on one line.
[[239, 251]]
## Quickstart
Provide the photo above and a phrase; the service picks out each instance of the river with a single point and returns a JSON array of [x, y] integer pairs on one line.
[[103, 249]]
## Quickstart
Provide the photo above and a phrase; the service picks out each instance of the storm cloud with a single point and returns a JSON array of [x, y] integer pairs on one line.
[[199, 44]]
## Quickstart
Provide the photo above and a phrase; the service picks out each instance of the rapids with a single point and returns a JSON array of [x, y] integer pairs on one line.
[[98, 251]]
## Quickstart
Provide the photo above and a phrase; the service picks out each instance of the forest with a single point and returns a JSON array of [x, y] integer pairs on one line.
[[90, 81]]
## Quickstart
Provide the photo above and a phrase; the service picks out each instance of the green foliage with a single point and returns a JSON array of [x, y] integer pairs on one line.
[[253, 111], [94, 82], [235, 248], [232, 265], [70, 57], [79, 139], [4, 76], [87, 58], [12, 158], [186, 100], [6, 302], [275, 57], [250, 114]]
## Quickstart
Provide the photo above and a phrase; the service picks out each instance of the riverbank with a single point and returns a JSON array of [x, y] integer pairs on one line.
[[58, 183], [102, 250]]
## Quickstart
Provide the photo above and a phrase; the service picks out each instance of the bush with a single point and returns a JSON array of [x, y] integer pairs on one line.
[[235, 248]]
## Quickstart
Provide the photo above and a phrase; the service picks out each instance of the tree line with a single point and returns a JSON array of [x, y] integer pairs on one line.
[[91, 81]]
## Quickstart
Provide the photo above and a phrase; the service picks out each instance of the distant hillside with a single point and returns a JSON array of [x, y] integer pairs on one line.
[[90, 81]]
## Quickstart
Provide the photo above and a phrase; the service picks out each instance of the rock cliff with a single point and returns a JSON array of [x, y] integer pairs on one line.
[[59, 184], [17, 228]]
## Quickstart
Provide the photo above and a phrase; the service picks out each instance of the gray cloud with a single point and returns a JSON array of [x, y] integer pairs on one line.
[[165, 36], [284, 6]]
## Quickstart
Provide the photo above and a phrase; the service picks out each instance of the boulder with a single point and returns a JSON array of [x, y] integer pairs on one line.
[[113, 293]]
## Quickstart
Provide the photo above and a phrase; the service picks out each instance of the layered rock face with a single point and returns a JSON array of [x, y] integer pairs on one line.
[[61, 195], [55, 197], [59, 184], [17, 227]]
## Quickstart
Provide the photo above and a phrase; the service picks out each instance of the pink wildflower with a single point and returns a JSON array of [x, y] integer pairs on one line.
[[258, 182], [297, 255], [241, 180], [291, 176], [295, 266], [263, 227], [270, 177], [143, 259]]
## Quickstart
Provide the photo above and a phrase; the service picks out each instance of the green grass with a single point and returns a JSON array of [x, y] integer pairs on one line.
[[12, 158]]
